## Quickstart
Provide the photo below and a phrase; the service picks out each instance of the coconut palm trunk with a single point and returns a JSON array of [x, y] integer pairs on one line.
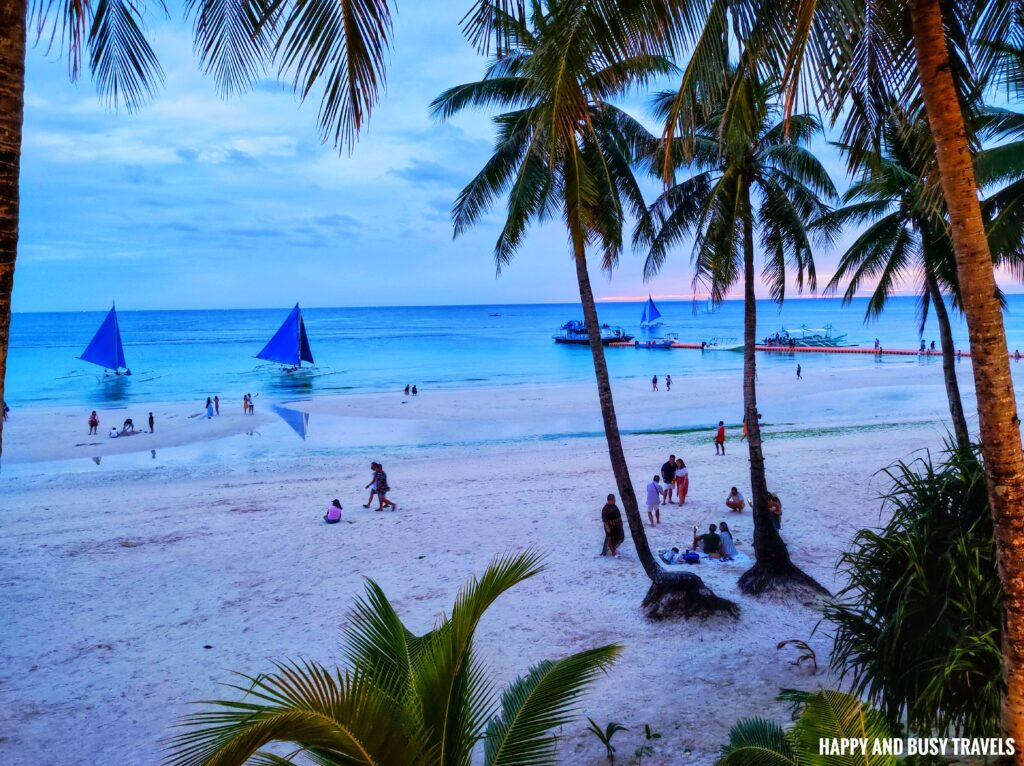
[[12, 110], [956, 405], [998, 423], [671, 593], [772, 567]]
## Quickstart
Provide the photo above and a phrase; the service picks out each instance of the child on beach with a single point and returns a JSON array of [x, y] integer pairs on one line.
[[720, 438], [333, 515], [654, 500], [372, 486], [94, 423], [735, 502], [682, 481]]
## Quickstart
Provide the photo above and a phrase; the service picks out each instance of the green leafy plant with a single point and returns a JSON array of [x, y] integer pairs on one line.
[[404, 699], [646, 749], [606, 734], [807, 654], [917, 628], [826, 714]]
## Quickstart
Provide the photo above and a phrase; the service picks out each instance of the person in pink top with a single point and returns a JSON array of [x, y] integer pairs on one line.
[[333, 515]]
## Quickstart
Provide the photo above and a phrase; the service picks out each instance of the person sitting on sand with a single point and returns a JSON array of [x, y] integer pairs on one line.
[[682, 481], [669, 557], [654, 500], [735, 502], [775, 510], [613, 532], [128, 427], [710, 542], [372, 486], [728, 545], [333, 515], [94, 423], [113, 432]]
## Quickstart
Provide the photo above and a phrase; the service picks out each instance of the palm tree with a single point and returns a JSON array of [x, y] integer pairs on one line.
[[336, 48], [824, 716], [404, 699], [563, 150], [752, 174], [852, 57], [894, 190]]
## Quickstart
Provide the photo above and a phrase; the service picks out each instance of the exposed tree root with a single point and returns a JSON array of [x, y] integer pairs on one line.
[[786, 580], [684, 594]]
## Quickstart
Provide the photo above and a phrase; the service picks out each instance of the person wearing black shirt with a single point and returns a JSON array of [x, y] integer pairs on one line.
[[613, 533], [668, 476]]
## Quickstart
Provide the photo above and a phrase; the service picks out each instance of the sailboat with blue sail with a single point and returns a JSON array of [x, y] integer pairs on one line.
[[105, 349], [651, 314], [290, 344]]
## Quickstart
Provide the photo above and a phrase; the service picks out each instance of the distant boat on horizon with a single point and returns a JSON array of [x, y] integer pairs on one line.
[[105, 349], [290, 344], [651, 314]]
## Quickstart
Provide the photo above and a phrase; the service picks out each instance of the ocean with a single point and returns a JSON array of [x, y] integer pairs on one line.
[[185, 355]]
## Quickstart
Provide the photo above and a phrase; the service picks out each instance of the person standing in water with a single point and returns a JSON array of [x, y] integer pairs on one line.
[[406, 389], [720, 438], [415, 391], [613, 532]]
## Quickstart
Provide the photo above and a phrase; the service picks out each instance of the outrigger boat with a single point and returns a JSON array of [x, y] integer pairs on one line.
[[575, 332], [721, 344], [651, 314], [290, 345], [105, 349], [807, 338]]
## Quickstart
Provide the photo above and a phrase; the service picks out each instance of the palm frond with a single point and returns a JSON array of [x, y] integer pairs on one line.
[[758, 742], [123, 64], [540, 702], [234, 40]]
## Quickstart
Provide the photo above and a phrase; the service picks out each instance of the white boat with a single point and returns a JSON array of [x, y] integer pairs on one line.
[[721, 344], [807, 337]]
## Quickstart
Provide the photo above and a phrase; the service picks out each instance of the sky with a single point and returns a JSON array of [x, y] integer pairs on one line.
[[196, 202]]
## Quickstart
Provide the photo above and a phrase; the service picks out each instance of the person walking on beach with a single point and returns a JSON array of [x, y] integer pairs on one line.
[[406, 389], [372, 486], [668, 382], [654, 500], [151, 422], [94, 423], [209, 408], [668, 478], [381, 480], [720, 438], [682, 481], [798, 375], [415, 391], [245, 404], [654, 383], [216, 405], [613, 532]]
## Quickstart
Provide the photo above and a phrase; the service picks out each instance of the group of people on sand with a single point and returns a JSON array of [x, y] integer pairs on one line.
[[674, 477], [411, 389], [716, 543], [378, 487], [668, 383], [127, 428]]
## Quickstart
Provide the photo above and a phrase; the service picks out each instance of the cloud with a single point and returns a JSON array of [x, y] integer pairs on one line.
[[426, 173]]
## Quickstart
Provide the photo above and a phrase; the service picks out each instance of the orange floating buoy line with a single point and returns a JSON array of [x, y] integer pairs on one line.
[[808, 349]]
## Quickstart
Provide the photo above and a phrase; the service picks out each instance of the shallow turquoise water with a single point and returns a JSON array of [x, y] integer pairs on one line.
[[183, 355]]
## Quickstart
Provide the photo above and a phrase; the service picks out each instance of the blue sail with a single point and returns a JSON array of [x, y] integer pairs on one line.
[[105, 349], [651, 313], [289, 344]]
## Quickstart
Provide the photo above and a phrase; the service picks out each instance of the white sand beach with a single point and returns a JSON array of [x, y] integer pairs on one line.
[[136, 583]]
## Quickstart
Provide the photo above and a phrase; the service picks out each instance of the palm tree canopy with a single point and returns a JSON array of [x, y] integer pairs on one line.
[[561, 147], [747, 165], [404, 698]]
